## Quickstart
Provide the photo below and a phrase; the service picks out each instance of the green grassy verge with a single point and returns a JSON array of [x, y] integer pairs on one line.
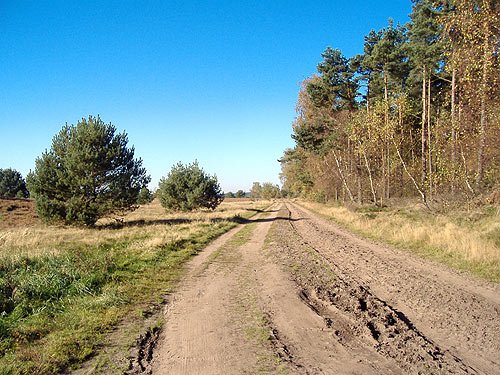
[[59, 309]]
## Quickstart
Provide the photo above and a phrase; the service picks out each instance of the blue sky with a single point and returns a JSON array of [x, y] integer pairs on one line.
[[215, 81]]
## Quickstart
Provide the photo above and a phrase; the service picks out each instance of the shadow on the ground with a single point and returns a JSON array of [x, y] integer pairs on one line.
[[260, 211], [242, 220], [118, 224]]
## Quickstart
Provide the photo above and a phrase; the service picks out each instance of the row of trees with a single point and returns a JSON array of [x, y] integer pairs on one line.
[[266, 190], [238, 194], [90, 172], [417, 113]]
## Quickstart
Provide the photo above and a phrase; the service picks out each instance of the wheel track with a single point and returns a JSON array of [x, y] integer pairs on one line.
[[390, 331], [459, 312]]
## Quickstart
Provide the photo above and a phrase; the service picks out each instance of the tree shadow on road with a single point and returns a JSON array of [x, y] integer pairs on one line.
[[119, 224], [260, 211], [242, 220]]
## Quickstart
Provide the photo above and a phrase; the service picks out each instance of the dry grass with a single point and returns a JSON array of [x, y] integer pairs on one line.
[[465, 240], [63, 288], [149, 226]]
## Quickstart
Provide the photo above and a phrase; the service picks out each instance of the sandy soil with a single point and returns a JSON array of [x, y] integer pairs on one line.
[[16, 212], [299, 295]]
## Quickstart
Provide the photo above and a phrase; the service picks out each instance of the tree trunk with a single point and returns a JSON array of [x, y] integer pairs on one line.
[[467, 183], [368, 94], [388, 159], [419, 189], [424, 136], [483, 92], [429, 139], [372, 188], [382, 195], [453, 129], [401, 170], [412, 148], [344, 182], [358, 176], [387, 166]]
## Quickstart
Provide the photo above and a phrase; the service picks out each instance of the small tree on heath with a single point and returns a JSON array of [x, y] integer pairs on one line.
[[188, 187], [88, 172], [145, 196], [12, 184], [256, 190]]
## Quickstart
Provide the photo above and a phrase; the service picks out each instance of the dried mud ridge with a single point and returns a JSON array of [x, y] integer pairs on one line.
[[281, 349], [353, 313], [394, 335], [141, 364], [141, 355]]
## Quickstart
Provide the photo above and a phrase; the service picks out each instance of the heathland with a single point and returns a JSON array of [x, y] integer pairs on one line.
[[63, 289]]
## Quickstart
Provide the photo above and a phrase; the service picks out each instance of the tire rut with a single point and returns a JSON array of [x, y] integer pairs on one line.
[[459, 312], [349, 308]]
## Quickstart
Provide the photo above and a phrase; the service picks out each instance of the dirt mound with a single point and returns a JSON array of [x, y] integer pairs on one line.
[[15, 212]]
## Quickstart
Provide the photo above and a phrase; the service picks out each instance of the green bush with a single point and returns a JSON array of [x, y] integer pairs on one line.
[[88, 172], [12, 184], [188, 187], [145, 196]]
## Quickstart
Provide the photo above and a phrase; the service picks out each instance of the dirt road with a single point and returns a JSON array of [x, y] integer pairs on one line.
[[291, 293]]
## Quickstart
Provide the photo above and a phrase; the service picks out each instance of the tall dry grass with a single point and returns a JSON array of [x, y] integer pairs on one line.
[[465, 240], [62, 288], [149, 226]]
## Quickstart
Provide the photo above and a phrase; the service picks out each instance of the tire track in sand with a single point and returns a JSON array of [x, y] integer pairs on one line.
[[238, 312]]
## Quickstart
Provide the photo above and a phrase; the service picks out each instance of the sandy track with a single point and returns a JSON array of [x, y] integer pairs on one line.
[[293, 293], [205, 331], [424, 316]]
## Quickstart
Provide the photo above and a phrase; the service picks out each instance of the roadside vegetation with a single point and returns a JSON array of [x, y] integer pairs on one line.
[[64, 289], [467, 240], [415, 115]]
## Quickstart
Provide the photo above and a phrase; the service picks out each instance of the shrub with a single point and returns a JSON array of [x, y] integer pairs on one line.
[[188, 187], [145, 196], [12, 184], [88, 172]]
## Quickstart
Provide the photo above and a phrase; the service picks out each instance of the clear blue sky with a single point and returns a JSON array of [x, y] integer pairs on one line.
[[215, 81]]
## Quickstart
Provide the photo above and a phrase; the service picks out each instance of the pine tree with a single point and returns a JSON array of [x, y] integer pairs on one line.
[[12, 184], [188, 187], [426, 53], [88, 172]]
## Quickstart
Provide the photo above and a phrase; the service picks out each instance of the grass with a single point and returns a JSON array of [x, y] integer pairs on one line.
[[256, 328], [63, 290], [226, 251], [465, 240]]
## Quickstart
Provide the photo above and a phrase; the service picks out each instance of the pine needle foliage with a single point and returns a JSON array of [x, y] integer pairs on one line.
[[12, 184], [188, 187], [89, 172]]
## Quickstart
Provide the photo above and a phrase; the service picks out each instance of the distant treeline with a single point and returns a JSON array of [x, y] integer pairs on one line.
[[417, 114]]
